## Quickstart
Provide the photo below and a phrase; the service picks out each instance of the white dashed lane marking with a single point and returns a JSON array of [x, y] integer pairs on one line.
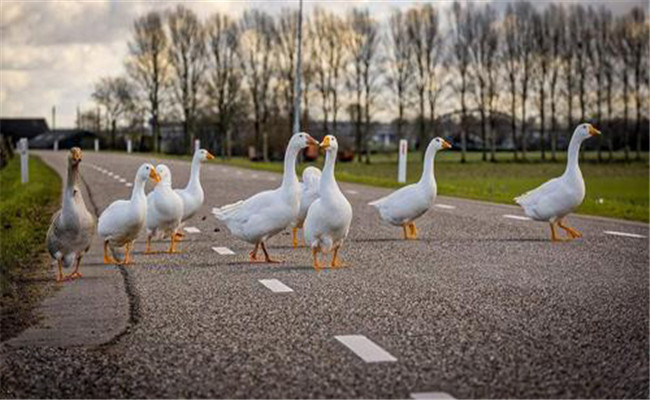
[[445, 206], [352, 192], [128, 184], [275, 286], [517, 217], [192, 229], [365, 348], [122, 180], [431, 396], [632, 235], [224, 251], [255, 176]]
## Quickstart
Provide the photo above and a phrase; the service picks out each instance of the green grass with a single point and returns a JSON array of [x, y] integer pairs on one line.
[[616, 189], [25, 214]]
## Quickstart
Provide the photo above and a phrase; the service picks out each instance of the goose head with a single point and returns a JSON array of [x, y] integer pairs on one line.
[[585, 131], [74, 158], [146, 172], [164, 173], [301, 140], [203, 155], [329, 144], [440, 144]]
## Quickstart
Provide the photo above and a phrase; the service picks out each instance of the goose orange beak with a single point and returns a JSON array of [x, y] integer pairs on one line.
[[311, 141], [593, 131], [325, 144], [446, 144], [209, 156], [154, 175]]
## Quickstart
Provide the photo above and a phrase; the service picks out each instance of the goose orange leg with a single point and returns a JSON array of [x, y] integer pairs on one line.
[[554, 236], [336, 261], [314, 254], [76, 274], [59, 277], [295, 237], [414, 230], [172, 247], [252, 256], [268, 258], [108, 257], [572, 232], [147, 249]]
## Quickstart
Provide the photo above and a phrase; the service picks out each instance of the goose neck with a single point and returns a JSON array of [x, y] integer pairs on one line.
[[573, 152], [427, 169], [289, 177]]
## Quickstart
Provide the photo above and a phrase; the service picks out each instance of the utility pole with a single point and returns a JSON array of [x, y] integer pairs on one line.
[[53, 117], [298, 73]]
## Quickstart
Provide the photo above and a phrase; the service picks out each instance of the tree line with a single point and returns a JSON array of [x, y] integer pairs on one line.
[[538, 70]]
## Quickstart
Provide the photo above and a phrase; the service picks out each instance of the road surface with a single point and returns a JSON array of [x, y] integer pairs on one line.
[[483, 305]]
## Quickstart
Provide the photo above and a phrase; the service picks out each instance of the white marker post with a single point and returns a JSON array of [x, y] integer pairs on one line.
[[56, 145], [24, 160], [129, 146], [197, 145], [96, 145], [401, 166]]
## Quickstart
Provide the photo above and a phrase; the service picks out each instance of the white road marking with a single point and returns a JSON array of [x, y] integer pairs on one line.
[[517, 217], [365, 348], [632, 235], [192, 229], [240, 173], [352, 191], [255, 176], [122, 180], [128, 184], [431, 395], [117, 177], [224, 251], [445, 206], [273, 178], [275, 286], [110, 174], [215, 210]]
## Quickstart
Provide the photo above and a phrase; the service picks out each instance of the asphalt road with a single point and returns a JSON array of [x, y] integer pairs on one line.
[[481, 306]]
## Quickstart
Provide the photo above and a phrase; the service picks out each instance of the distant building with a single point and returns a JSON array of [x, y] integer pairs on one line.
[[67, 138], [16, 128]]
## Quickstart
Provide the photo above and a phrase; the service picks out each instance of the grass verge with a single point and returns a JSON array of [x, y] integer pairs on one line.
[[25, 215]]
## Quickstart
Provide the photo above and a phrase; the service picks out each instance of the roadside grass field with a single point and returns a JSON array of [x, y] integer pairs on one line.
[[614, 189], [25, 215]]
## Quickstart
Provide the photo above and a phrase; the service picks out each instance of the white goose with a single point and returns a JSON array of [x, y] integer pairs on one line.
[[308, 194], [404, 206], [192, 195], [558, 197], [122, 220], [329, 217], [164, 210], [73, 226], [267, 213]]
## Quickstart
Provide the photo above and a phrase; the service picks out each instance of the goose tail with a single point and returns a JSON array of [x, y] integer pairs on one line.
[[225, 212]]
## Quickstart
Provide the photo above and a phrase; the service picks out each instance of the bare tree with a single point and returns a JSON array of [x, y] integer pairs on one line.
[[147, 64], [624, 51], [525, 11], [567, 56], [256, 41], [583, 34], [510, 55], [286, 63], [363, 40], [638, 38], [483, 51], [224, 86], [600, 58], [117, 96], [424, 37], [554, 20], [543, 36], [400, 77], [329, 32], [462, 37], [188, 57]]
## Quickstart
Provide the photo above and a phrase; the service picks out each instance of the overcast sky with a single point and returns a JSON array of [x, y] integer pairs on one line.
[[51, 53]]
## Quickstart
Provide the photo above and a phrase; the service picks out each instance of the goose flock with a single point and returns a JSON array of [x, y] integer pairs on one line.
[[316, 205]]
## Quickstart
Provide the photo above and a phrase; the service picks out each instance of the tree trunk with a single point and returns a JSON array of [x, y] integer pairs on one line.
[[626, 143], [542, 131], [637, 129], [513, 121]]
